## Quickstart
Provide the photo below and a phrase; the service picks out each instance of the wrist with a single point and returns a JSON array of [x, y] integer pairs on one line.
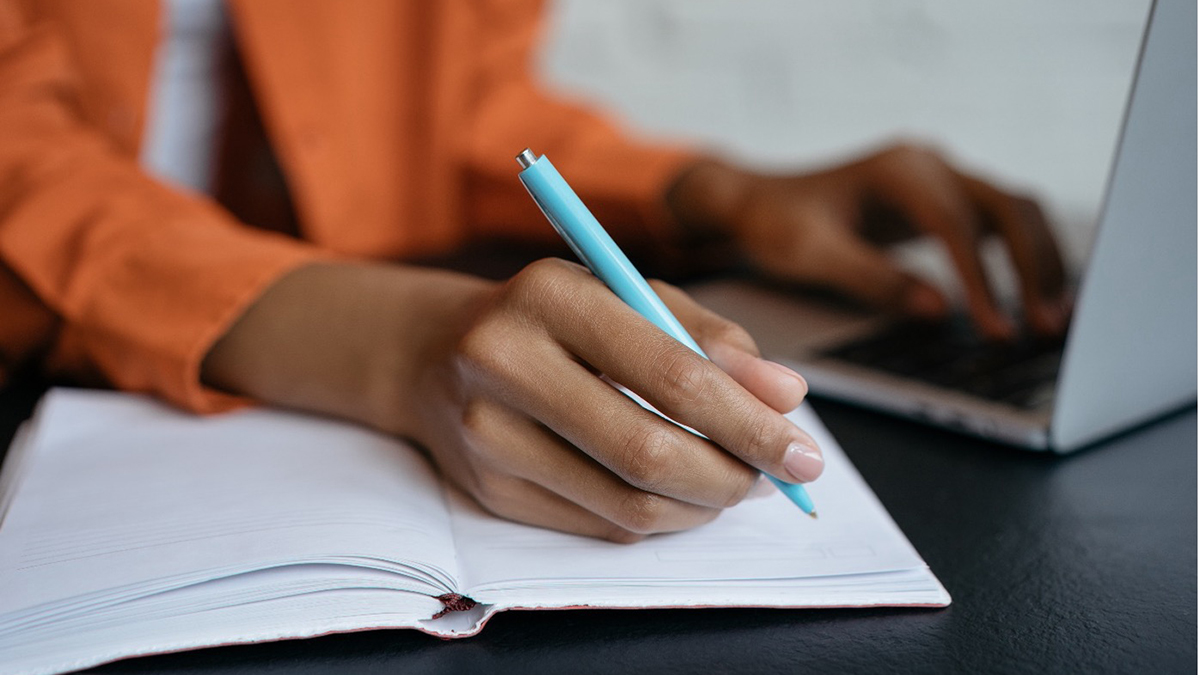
[[343, 339], [411, 383]]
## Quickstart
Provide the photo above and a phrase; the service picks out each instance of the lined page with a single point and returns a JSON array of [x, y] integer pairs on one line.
[[760, 539], [125, 496]]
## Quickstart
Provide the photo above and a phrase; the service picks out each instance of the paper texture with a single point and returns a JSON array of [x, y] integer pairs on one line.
[[129, 528], [752, 543]]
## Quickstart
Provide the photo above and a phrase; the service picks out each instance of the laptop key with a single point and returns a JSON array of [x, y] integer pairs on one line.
[[951, 355]]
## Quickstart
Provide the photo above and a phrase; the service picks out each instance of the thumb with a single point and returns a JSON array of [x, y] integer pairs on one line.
[[733, 350]]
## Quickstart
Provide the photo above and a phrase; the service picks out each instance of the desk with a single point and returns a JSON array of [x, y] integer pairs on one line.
[[1057, 565]]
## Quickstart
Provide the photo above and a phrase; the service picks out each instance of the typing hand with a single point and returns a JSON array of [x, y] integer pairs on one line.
[[499, 383], [519, 419], [827, 228]]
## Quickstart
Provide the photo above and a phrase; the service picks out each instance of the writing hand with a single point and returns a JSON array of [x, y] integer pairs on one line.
[[500, 384]]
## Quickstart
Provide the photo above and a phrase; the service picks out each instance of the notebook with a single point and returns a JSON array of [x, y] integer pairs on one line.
[[129, 528]]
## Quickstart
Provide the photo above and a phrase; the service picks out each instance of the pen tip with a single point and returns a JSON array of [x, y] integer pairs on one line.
[[813, 514]]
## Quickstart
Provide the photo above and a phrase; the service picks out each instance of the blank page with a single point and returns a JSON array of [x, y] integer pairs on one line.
[[125, 496], [762, 539]]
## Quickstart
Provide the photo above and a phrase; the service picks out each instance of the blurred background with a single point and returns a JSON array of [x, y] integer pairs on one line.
[[1027, 92]]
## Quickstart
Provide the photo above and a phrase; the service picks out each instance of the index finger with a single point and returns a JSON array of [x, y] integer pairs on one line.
[[927, 191], [693, 391], [1031, 246]]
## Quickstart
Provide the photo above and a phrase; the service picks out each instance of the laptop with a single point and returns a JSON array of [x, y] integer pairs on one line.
[[1129, 355]]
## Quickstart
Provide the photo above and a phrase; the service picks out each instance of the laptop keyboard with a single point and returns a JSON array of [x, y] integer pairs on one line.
[[951, 355]]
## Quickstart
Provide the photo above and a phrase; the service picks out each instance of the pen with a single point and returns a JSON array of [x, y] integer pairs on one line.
[[587, 238]]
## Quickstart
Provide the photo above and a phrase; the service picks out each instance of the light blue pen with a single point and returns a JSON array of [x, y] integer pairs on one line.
[[584, 234]]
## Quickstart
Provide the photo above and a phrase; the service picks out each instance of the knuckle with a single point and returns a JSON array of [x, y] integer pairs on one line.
[[1025, 200], [476, 418], [911, 151], [482, 435], [912, 159], [742, 485], [685, 376], [489, 490], [478, 346], [758, 441], [641, 512], [1031, 211], [647, 456], [543, 269], [549, 282], [489, 443], [491, 351]]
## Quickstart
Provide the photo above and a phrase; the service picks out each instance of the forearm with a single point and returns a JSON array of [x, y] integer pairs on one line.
[[134, 278], [343, 339]]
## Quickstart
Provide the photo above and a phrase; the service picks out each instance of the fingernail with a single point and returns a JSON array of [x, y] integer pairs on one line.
[[789, 372], [803, 461], [762, 489], [924, 302]]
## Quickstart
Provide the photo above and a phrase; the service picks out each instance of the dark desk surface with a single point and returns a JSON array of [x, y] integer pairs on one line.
[[1078, 564]]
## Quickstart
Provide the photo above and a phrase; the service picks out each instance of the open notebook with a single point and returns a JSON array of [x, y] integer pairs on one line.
[[129, 528]]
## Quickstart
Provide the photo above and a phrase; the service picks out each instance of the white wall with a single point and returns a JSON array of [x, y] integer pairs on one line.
[[1028, 92]]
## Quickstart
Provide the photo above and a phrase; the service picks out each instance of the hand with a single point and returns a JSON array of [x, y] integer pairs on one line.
[[827, 228], [500, 384]]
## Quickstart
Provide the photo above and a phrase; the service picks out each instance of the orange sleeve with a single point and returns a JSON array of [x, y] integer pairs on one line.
[[143, 279], [623, 181]]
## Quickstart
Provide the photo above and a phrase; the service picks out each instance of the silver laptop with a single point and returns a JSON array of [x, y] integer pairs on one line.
[[1129, 355]]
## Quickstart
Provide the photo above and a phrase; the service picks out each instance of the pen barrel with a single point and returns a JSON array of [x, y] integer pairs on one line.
[[588, 239], [584, 234]]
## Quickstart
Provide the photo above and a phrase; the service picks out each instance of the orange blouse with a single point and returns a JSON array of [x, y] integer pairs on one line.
[[395, 124]]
